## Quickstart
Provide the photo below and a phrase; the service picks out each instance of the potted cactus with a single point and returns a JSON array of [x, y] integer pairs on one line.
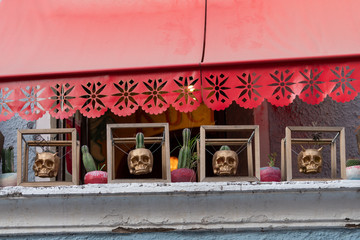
[[270, 173], [186, 160], [8, 176], [353, 169], [93, 175]]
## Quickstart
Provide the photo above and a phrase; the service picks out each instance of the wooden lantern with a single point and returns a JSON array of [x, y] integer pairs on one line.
[[24, 145], [289, 140], [112, 141], [252, 141]]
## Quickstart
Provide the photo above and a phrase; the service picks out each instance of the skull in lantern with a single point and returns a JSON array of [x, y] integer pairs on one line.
[[310, 160], [225, 162], [140, 160], [46, 165]]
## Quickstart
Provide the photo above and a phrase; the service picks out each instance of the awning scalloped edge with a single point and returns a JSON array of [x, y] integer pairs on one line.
[[217, 87]]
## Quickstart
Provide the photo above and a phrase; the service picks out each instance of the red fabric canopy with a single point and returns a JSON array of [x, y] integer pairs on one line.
[[280, 49], [49, 38], [63, 56], [67, 36], [258, 30]]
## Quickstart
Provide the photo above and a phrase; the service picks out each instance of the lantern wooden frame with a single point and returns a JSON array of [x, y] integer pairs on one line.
[[254, 137], [165, 150], [288, 141], [22, 169]]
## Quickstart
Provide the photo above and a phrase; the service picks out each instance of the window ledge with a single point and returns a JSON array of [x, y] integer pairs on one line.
[[129, 207]]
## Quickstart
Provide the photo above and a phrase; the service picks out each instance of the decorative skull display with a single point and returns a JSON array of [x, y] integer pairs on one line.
[[310, 160], [225, 162], [140, 160], [46, 164]]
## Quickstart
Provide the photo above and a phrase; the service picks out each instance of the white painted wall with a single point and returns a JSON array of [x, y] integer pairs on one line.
[[152, 207]]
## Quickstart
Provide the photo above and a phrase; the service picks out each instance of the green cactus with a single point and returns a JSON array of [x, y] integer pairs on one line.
[[7, 157], [224, 147], [272, 158], [185, 151], [140, 140], [352, 162], [87, 159]]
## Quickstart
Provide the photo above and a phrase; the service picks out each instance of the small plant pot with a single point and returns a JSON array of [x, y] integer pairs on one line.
[[183, 175], [353, 172], [96, 177], [8, 179], [270, 174]]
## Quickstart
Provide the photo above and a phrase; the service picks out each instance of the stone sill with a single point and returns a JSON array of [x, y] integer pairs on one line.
[[129, 207], [177, 188]]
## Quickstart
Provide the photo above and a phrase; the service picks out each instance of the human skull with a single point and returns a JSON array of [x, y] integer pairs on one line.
[[310, 160], [140, 161], [225, 162], [46, 165]]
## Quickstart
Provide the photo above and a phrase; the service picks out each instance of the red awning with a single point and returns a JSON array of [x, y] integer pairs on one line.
[[69, 36], [280, 49], [152, 43], [63, 56]]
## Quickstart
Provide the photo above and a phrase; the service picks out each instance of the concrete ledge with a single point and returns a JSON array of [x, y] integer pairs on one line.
[[154, 207]]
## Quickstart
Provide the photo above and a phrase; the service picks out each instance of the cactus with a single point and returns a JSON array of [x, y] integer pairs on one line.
[[224, 147], [352, 162], [87, 159], [140, 140], [185, 151], [7, 156], [272, 158]]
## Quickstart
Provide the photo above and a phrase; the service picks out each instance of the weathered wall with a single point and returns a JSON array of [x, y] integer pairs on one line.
[[268, 235], [327, 113], [9, 130], [205, 206]]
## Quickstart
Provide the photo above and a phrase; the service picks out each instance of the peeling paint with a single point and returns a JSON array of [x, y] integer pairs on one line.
[[344, 234], [352, 225], [141, 230], [134, 208]]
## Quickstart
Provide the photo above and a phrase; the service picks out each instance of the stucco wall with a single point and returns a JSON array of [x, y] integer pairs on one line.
[[9, 130], [327, 113], [343, 234]]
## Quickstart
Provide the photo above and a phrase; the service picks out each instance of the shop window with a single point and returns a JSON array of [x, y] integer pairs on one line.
[[92, 131]]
